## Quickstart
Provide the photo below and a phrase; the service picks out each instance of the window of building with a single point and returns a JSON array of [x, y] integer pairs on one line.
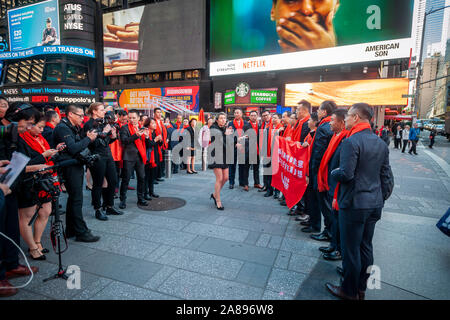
[[25, 71], [53, 72], [77, 74]]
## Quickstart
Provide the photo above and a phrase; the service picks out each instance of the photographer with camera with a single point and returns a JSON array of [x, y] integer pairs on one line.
[[18, 118], [33, 145], [105, 126], [134, 157], [69, 132]]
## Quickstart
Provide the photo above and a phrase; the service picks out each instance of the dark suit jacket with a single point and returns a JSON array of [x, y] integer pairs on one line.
[[247, 126], [305, 131], [364, 172], [321, 141], [71, 136], [334, 164], [130, 151], [48, 135]]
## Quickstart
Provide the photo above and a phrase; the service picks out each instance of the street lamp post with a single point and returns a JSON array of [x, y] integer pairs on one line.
[[419, 65]]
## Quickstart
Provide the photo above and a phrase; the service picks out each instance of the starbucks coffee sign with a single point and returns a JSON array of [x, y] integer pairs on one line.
[[242, 89]]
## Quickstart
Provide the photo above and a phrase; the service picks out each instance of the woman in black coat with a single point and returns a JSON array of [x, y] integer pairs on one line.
[[33, 145], [217, 159], [190, 131], [151, 167]]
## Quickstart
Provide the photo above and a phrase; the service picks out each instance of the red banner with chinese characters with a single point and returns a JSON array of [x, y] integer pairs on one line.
[[289, 161]]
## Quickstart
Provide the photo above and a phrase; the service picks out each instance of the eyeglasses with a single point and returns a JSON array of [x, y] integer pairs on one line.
[[80, 115]]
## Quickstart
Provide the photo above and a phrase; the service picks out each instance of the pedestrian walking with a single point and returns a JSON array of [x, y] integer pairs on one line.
[[432, 137], [414, 138], [405, 137], [397, 137]]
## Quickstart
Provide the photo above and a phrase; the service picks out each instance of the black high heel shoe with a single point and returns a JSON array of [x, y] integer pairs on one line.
[[40, 258], [212, 197], [44, 250], [215, 202]]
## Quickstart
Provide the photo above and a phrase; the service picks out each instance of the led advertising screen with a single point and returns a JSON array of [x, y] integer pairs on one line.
[[142, 98], [162, 36], [376, 92], [265, 35], [34, 25]]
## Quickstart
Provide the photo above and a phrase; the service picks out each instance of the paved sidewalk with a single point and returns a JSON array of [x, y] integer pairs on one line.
[[252, 250]]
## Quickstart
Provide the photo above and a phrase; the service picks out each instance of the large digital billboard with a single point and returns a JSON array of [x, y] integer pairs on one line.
[[266, 35], [162, 36], [34, 25], [376, 92], [142, 98]]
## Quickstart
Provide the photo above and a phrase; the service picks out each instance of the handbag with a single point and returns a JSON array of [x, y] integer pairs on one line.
[[444, 223]]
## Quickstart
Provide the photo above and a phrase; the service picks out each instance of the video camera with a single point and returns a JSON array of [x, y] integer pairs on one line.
[[85, 157], [100, 124]]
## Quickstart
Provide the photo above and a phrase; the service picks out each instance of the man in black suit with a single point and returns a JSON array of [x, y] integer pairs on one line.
[[134, 158], [255, 166], [320, 203], [241, 150], [51, 121], [366, 182]]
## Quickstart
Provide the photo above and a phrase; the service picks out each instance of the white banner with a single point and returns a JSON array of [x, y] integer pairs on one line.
[[374, 51]]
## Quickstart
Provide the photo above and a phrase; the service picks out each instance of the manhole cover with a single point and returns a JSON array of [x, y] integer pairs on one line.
[[164, 204]]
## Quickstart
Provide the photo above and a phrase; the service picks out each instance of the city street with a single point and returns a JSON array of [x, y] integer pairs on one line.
[[253, 250]]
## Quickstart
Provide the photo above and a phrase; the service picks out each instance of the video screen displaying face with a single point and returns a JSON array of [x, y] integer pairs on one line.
[[251, 28]]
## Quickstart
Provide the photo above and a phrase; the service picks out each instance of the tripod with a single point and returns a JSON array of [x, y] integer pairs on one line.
[[57, 231]]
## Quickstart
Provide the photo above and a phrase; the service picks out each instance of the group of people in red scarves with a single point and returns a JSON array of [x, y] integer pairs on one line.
[[331, 167], [321, 195]]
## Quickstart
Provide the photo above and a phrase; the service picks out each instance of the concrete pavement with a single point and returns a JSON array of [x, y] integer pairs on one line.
[[252, 250]]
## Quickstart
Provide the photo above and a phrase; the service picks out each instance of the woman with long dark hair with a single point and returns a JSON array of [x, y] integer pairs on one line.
[[217, 160], [32, 144]]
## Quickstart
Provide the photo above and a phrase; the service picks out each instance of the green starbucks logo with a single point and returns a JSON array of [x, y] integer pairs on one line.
[[242, 89]]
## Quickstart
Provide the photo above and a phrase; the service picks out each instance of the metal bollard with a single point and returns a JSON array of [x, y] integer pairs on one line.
[[168, 163], [204, 159]]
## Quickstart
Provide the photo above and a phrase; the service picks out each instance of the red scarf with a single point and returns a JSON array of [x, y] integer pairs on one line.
[[255, 127], [288, 131], [161, 131], [325, 120], [308, 140], [184, 128], [40, 145], [49, 124], [269, 138], [178, 124], [152, 161], [297, 130], [58, 112], [322, 177], [140, 143], [239, 126], [357, 128]]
